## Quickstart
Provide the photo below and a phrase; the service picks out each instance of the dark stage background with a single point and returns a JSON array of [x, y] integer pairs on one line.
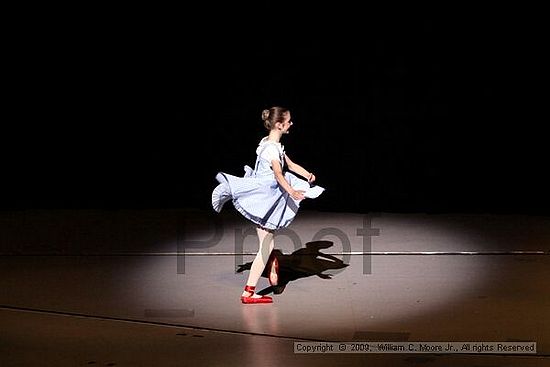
[[398, 115]]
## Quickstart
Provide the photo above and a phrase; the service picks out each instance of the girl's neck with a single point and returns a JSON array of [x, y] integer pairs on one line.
[[274, 135]]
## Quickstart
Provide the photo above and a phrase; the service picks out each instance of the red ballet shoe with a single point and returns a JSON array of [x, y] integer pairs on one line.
[[274, 272], [250, 299]]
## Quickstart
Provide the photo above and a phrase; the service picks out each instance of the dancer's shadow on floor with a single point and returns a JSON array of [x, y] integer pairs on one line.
[[305, 262]]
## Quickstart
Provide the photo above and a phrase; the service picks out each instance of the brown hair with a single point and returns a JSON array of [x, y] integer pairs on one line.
[[273, 115]]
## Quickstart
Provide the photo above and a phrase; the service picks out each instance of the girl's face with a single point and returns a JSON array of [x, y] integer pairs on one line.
[[286, 124]]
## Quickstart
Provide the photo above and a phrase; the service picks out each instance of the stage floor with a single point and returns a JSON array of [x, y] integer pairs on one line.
[[162, 287]]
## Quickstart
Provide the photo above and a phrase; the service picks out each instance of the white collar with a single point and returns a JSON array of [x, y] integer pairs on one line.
[[265, 141]]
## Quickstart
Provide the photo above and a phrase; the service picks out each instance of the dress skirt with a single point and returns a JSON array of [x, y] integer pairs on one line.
[[260, 199]]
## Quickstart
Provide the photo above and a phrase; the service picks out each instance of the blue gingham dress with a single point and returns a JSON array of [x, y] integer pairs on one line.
[[258, 196]]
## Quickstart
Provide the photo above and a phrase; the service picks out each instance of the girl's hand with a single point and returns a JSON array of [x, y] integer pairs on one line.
[[311, 178], [297, 194]]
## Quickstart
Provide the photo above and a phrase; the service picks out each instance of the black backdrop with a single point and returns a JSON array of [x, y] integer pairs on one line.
[[433, 115]]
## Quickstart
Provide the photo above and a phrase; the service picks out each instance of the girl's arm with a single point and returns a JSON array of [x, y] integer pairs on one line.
[[296, 168], [278, 171]]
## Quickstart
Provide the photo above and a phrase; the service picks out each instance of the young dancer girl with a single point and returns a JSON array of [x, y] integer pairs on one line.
[[267, 195]]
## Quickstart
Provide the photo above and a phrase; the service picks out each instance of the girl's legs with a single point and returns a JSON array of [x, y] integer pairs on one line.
[[266, 244]]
